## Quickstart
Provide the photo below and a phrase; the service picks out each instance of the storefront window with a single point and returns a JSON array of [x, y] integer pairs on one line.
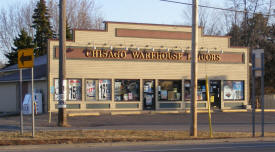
[[56, 89], [187, 90], [169, 90], [233, 90], [201, 90], [98, 90], [74, 89], [90, 89], [127, 90]]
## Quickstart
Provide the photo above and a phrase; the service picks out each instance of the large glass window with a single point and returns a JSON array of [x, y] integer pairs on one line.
[[127, 90], [169, 90], [75, 89], [233, 90], [98, 90], [201, 90]]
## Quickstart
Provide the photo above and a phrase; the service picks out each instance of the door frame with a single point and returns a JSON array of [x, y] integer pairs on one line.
[[218, 103], [153, 107]]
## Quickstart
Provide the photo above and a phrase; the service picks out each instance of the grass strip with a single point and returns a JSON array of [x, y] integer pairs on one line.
[[102, 136]]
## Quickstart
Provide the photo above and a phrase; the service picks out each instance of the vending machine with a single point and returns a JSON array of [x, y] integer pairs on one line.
[[27, 104]]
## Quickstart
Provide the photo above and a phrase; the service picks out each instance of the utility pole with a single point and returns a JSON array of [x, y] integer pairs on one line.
[[193, 128], [62, 114]]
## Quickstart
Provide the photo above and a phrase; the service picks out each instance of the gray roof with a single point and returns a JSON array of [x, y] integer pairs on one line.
[[37, 61], [39, 70]]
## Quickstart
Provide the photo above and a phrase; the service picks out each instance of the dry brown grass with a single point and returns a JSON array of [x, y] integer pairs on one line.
[[97, 136]]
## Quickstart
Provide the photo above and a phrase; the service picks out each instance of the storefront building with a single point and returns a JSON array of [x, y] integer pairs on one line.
[[131, 66]]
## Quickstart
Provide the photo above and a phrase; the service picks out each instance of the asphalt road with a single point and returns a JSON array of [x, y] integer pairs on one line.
[[229, 122], [190, 146]]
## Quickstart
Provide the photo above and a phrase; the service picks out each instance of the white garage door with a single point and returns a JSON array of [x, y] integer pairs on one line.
[[8, 98]]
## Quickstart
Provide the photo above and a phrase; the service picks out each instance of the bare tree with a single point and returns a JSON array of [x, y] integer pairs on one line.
[[209, 19], [81, 14], [12, 20], [249, 8]]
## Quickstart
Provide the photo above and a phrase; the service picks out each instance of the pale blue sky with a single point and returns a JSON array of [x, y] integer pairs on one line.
[[139, 11], [144, 11]]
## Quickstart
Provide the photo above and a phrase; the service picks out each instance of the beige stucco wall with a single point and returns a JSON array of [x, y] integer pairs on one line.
[[115, 69]]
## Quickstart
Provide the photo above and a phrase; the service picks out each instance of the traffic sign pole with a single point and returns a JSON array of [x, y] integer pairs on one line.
[[33, 129], [21, 105], [25, 59]]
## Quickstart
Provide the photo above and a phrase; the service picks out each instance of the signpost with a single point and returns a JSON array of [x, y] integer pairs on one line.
[[25, 60], [257, 71]]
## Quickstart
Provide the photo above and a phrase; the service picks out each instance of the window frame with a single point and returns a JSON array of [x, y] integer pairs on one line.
[[243, 90], [139, 92], [197, 89], [68, 89], [97, 89], [159, 93]]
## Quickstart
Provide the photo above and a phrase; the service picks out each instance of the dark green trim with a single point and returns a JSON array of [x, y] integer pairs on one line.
[[169, 105], [236, 105], [199, 105], [127, 105], [70, 106], [97, 106]]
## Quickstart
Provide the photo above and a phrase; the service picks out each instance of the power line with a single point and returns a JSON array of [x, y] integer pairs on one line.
[[218, 8]]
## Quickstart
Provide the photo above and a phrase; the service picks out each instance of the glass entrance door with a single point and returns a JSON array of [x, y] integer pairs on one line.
[[215, 93], [149, 95]]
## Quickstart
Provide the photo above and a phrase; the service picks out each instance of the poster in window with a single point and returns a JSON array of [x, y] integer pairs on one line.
[[56, 89], [228, 90], [74, 89], [148, 99], [104, 89], [163, 94], [91, 89], [238, 89]]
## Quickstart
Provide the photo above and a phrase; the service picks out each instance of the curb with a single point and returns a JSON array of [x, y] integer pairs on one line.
[[234, 110], [113, 113], [265, 110], [84, 114], [165, 112], [200, 111], [126, 113]]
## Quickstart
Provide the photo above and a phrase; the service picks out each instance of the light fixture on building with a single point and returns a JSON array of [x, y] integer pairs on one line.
[[222, 51], [138, 48], [126, 48], [182, 50], [111, 47], [153, 49], [207, 51], [168, 49]]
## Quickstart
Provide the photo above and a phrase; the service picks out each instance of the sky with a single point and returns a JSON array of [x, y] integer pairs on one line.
[[138, 11], [141, 11]]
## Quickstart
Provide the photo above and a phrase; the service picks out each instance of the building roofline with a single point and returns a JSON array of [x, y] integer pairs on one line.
[[115, 22]]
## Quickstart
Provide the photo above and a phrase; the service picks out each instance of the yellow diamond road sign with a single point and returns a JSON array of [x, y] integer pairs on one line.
[[25, 58]]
